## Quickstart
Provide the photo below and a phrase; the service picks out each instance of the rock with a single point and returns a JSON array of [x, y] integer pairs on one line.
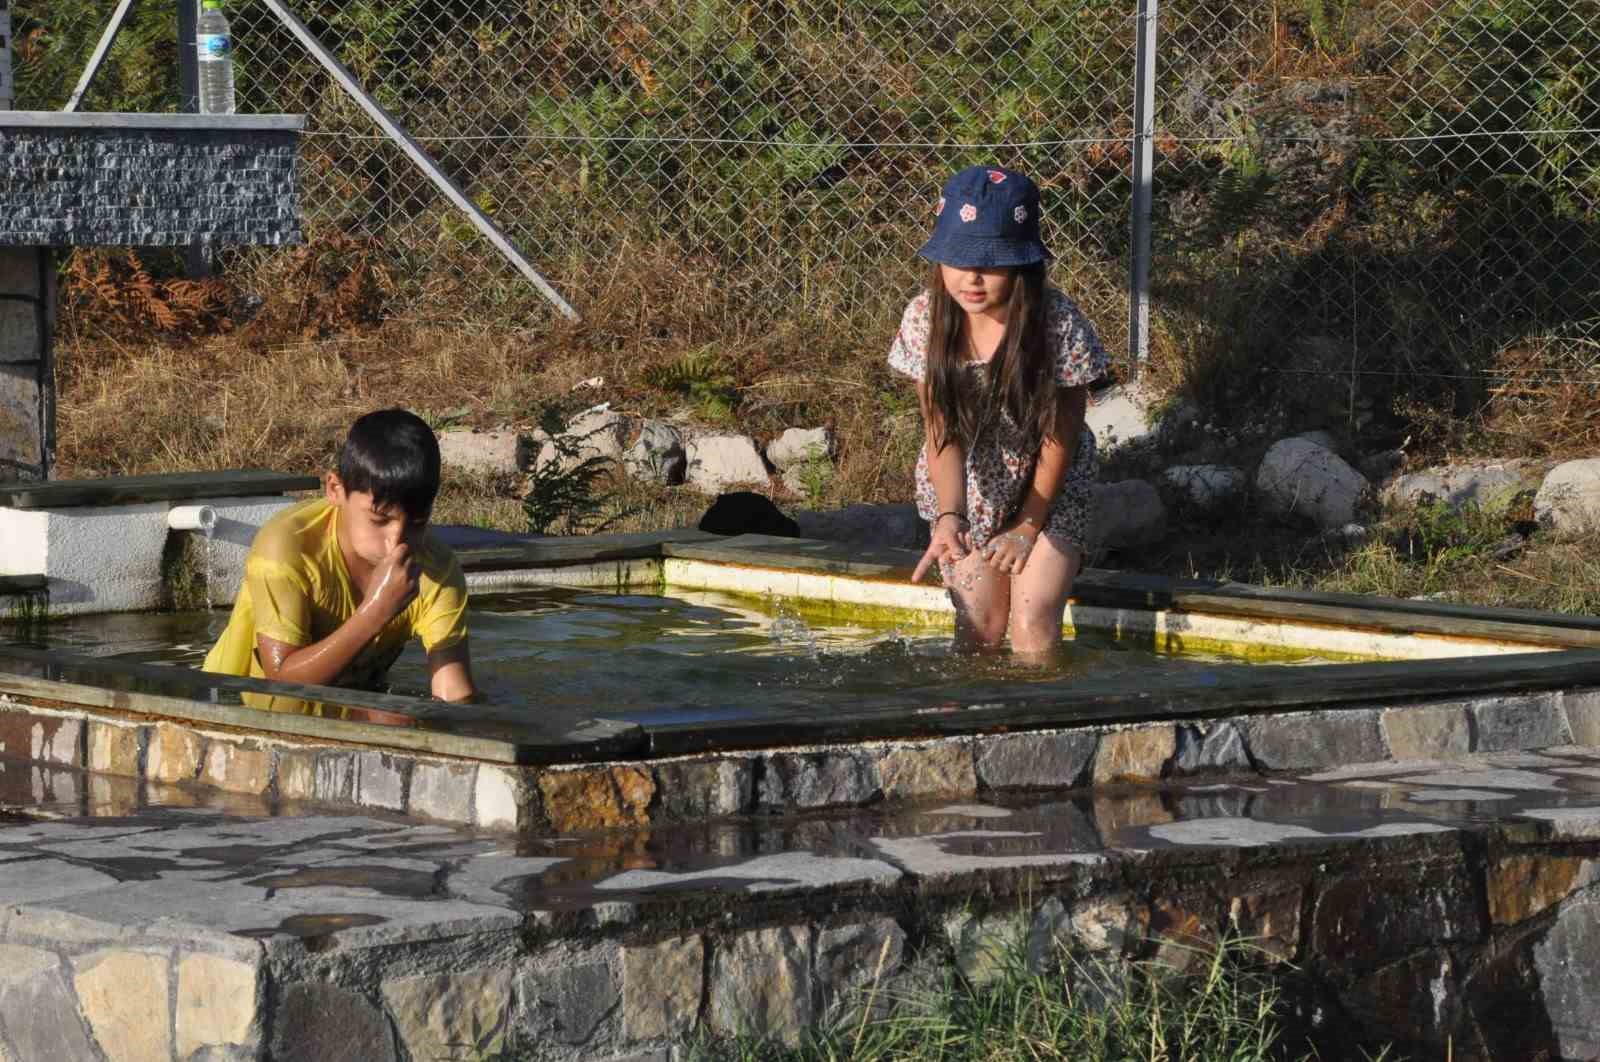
[[1521, 885], [1135, 755], [1309, 742], [761, 984], [1206, 487], [1428, 732], [1356, 922], [657, 455], [1219, 747], [595, 798], [596, 432], [1516, 723], [984, 944], [815, 780], [1380, 466], [1299, 477], [696, 789], [321, 1022], [796, 446], [944, 768], [1320, 438], [1126, 515], [871, 525], [1035, 761], [442, 791], [1482, 485], [1269, 921], [569, 1002], [851, 959], [661, 987], [1569, 498], [499, 452], [216, 1004], [37, 1009], [123, 995], [716, 462], [447, 1015], [1120, 415]]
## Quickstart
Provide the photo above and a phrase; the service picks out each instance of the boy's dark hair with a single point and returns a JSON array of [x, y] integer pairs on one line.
[[392, 455]]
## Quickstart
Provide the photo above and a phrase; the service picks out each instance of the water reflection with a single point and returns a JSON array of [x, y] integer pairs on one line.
[[689, 657]]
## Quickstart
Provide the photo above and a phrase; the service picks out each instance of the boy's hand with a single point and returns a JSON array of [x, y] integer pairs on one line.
[[394, 583], [949, 546]]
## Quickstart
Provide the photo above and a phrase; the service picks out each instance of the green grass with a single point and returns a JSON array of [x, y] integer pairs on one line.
[[1219, 1009]]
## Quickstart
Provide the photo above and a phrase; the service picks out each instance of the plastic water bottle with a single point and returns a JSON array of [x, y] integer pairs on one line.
[[214, 46]]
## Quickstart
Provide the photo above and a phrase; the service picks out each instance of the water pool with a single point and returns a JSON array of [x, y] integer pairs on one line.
[[681, 657]]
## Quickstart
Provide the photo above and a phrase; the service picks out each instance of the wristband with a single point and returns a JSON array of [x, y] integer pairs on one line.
[[951, 512]]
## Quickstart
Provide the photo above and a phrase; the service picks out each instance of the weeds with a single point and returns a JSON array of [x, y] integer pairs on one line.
[[1087, 1011], [564, 485]]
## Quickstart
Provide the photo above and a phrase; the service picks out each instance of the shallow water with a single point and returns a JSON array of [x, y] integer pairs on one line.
[[689, 656]]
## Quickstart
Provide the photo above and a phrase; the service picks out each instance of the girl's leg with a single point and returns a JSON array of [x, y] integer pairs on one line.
[[982, 597], [1039, 596]]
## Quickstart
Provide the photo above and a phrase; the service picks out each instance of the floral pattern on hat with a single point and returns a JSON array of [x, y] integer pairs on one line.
[[1021, 214], [997, 176], [939, 209], [969, 212]]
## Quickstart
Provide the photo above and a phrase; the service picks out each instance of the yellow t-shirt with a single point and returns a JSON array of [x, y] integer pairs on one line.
[[297, 591]]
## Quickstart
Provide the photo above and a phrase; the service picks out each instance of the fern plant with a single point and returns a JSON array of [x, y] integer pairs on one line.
[[566, 481], [701, 377]]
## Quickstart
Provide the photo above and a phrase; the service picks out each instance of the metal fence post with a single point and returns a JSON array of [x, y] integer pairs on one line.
[[1144, 106]]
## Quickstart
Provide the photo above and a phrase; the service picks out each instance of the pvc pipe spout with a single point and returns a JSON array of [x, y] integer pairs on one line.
[[191, 518]]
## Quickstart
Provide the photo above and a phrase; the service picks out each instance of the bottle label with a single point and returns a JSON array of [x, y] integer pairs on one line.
[[213, 46]]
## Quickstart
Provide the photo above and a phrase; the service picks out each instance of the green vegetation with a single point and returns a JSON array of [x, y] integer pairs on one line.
[[1218, 1009]]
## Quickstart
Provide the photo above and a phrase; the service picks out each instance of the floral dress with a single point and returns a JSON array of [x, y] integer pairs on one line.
[[1000, 466]]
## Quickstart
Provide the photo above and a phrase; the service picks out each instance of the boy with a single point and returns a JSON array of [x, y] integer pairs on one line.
[[335, 586]]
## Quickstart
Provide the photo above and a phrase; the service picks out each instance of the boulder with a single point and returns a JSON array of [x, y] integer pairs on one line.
[[1569, 498], [1120, 415], [502, 451], [1298, 477], [716, 462], [871, 525], [657, 455], [796, 446], [1126, 514], [596, 432], [1206, 487], [1482, 484]]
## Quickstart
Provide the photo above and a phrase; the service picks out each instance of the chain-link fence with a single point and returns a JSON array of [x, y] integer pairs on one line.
[[1364, 188]]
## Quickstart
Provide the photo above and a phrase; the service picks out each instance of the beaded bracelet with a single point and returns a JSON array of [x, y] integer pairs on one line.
[[952, 512]]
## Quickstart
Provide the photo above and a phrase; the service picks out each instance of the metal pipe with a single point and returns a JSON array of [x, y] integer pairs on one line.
[[192, 518], [1144, 127]]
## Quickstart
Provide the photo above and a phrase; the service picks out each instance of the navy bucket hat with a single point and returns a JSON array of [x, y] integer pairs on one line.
[[987, 217]]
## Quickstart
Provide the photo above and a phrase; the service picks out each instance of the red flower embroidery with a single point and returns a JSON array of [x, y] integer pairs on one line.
[[968, 212], [940, 208], [996, 177]]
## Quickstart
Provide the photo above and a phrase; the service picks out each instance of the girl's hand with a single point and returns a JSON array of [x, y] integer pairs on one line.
[[1007, 552], [949, 546]]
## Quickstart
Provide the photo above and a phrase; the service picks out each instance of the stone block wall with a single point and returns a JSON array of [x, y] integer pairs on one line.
[[1480, 947], [147, 179], [27, 302], [584, 798]]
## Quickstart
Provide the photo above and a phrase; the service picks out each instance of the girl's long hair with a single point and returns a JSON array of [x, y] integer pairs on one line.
[[1019, 379]]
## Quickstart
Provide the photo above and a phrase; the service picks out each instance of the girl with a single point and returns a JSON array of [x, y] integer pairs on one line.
[[1002, 364]]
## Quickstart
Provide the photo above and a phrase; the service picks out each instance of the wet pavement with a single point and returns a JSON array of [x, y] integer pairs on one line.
[[170, 869]]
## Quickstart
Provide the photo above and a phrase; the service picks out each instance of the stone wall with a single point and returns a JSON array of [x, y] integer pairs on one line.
[[27, 393], [148, 179], [541, 801], [1418, 935]]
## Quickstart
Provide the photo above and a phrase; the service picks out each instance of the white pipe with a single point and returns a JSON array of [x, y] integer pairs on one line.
[[191, 518]]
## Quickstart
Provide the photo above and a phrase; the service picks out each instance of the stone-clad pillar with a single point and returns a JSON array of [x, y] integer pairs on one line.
[[27, 377]]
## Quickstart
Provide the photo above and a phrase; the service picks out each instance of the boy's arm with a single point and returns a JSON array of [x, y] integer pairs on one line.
[[450, 673], [394, 584]]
